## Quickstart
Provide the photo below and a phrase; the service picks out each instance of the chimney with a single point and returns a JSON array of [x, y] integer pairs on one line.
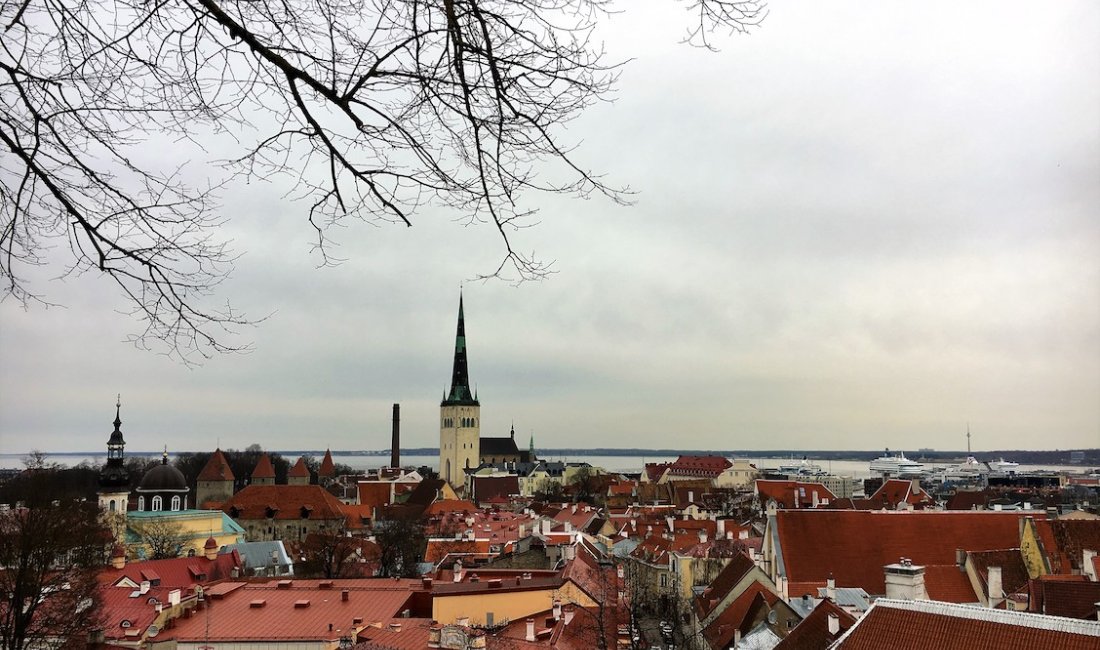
[[395, 442], [557, 609], [702, 535], [783, 592], [830, 588], [721, 529], [834, 624], [1087, 568], [993, 585], [905, 581], [345, 595], [458, 571], [691, 496], [145, 584], [568, 552], [816, 498], [530, 630], [960, 558], [568, 613], [736, 638], [619, 571]]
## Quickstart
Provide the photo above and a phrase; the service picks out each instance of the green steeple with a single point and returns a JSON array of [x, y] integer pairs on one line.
[[460, 376]]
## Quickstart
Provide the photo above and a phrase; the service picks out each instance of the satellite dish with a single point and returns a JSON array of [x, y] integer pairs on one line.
[[152, 631], [772, 617]]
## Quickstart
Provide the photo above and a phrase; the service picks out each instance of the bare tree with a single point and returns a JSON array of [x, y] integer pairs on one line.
[[49, 555], [401, 543], [163, 538], [367, 110]]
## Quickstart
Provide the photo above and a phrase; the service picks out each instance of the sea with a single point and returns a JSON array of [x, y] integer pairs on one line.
[[624, 464]]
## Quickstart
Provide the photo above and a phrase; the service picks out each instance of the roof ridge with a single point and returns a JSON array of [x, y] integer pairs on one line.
[[976, 613]]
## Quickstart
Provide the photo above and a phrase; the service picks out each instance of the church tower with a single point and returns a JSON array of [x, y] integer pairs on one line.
[[114, 480], [459, 417]]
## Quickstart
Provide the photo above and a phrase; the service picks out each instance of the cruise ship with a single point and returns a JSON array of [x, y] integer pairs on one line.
[[897, 465]]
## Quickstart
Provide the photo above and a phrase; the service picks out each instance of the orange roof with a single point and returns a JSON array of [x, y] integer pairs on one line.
[[945, 582], [721, 630], [293, 610], [180, 572], [855, 545], [299, 470], [895, 491], [438, 549], [449, 505], [328, 468], [794, 494], [919, 625], [217, 468], [813, 632], [283, 502], [264, 468]]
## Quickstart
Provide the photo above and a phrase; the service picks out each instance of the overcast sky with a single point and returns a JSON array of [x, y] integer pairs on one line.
[[865, 225]]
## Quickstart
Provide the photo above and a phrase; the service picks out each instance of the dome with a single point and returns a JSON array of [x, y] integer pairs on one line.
[[163, 478]]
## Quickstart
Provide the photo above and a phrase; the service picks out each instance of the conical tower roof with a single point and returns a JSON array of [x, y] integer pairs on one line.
[[460, 393], [264, 468], [328, 468], [299, 470], [217, 468]]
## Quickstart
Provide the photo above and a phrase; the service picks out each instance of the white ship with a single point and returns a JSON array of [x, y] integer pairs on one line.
[[968, 470], [897, 465], [1002, 465]]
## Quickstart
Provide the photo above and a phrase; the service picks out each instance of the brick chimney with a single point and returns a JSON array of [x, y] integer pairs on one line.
[[530, 630], [395, 441]]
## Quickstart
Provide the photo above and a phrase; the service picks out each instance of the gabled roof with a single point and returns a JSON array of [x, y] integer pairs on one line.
[[720, 632], [855, 545], [726, 580], [948, 583], [217, 468], [174, 573], [498, 447], [284, 502], [813, 632], [264, 468], [1014, 576], [922, 624], [446, 506], [897, 491], [793, 494]]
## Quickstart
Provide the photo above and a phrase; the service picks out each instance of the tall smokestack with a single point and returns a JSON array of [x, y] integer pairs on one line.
[[395, 444]]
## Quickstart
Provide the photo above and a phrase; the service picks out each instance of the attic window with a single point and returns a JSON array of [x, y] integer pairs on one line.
[[125, 623], [304, 511]]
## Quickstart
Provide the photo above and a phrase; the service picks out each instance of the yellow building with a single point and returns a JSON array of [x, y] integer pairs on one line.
[[459, 418], [178, 533]]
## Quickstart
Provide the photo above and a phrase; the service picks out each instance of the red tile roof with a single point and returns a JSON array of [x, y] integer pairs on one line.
[[813, 632], [728, 578], [264, 468], [855, 545], [793, 494], [299, 470], [897, 491], [284, 501], [180, 572], [217, 468], [921, 625], [1014, 576], [438, 549], [1070, 598], [708, 466], [1071, 537], [446, 506], [948, 583], [720, 632], [300, 611]]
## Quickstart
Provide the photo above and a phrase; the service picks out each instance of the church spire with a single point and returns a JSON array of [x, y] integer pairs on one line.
[[460, 374]]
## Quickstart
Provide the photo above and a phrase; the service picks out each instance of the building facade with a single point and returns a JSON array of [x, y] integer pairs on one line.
[[459, 417]]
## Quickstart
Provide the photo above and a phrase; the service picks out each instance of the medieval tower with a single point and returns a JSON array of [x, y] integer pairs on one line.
[[459, 418]]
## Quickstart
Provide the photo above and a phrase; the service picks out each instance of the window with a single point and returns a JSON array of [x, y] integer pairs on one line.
[[112, 508], [175, 504], [157, 504], [488, 619], [664, 580], [141, 503]]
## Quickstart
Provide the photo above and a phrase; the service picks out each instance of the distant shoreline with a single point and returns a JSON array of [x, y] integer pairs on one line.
[[1060, 456]]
